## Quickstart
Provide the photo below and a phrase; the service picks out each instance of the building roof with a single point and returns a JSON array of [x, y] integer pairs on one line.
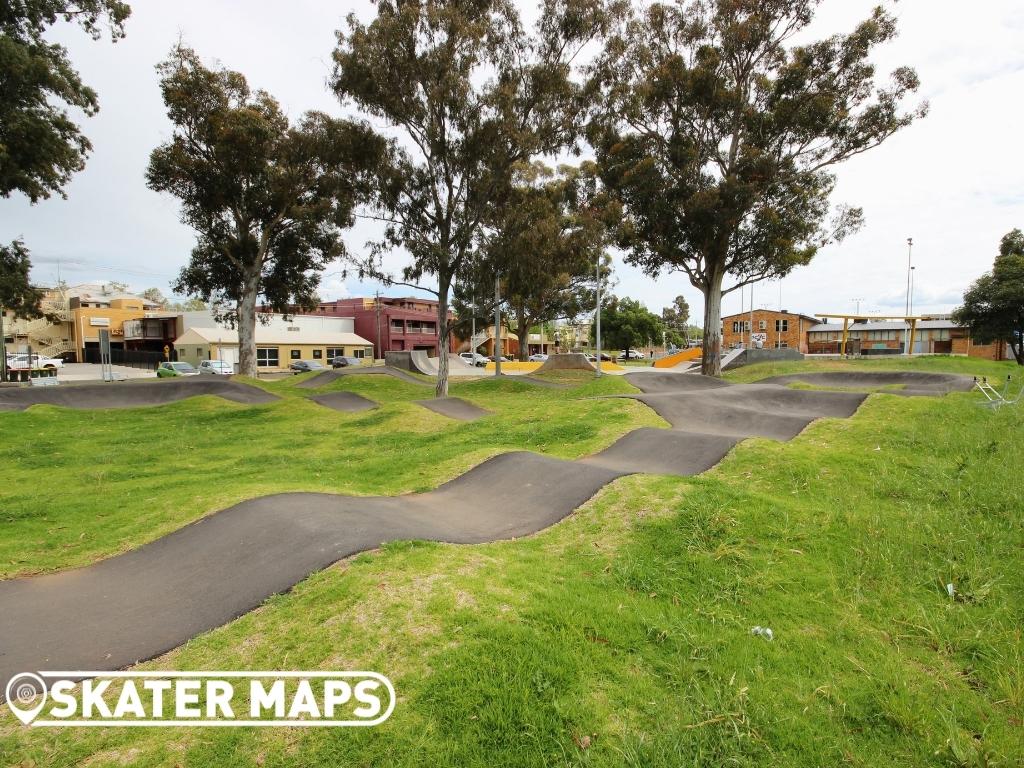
[[892, 325], [271, 336]]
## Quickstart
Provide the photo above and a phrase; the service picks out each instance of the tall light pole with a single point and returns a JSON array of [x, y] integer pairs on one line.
[[909, 270], [498, 350], [857, 302], [597, 316], [910, 250], [912, 271]]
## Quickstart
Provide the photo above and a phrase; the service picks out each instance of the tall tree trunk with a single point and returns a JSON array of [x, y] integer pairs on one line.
[[247, 325], [523, 334], [441, 390], [711, 355]]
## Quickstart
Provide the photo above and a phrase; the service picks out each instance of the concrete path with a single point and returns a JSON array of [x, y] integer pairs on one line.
[[132, 394], [140, 604]]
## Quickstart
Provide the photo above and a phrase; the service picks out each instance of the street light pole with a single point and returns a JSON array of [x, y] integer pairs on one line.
[[909, 270], [497, 326], [912, 271]]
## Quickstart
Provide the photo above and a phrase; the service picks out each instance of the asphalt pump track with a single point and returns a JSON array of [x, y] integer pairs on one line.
[[138, 605]]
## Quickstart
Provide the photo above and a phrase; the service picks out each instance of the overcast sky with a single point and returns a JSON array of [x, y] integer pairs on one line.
[[954, 181]]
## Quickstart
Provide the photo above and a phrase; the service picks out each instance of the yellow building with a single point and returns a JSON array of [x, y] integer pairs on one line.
[[276, 348]]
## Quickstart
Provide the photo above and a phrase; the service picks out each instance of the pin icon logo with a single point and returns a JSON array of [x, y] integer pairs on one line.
[[21, 690]]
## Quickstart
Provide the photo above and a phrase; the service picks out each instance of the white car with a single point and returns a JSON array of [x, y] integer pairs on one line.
[[20, 362], [538, 358], [474, 358], [216, 367], [631, 354]]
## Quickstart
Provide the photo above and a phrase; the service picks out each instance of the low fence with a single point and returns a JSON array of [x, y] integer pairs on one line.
[[131, 358]]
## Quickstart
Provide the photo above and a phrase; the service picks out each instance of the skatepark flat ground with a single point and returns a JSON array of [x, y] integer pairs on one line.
[[647, 594]]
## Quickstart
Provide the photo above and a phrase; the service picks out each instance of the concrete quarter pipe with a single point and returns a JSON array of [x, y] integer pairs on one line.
[[140, 604]]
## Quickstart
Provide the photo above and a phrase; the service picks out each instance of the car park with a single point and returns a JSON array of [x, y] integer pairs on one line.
[[216, 367], [345, 362], [305, 366], [474, 358], [538, 358], [170, 370]]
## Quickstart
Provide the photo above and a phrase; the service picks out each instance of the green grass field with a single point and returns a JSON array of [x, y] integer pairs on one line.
[[620, 636]]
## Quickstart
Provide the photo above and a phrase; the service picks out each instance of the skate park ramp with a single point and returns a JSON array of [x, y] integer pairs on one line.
[[132, 394], [347, 402], [907, 383], [679, 358], [142, 603], [572, 361], [454, 408], [418, 361]]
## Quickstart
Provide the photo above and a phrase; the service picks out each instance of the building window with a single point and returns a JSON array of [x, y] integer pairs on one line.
[[267, 357], [781, 326], [735, 327], [359, 353], [296, 354], [333, 352], [318, 354], [762, 325]]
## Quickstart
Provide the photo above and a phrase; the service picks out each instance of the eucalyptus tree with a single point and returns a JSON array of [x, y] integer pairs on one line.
[[468, 95], [993, 307], [717, 134], [41, 146], [544, 246], [267, 198]]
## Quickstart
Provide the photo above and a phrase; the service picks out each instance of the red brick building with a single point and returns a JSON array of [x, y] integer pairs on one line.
[[392, 324], [773, 329]]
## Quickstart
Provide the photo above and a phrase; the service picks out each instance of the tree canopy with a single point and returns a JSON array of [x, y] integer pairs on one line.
[[470, 96], [715, 134], [993, 307], [626, 323], [40, 145], [677, 321], [267, 198], [544, 245], [17, 294]]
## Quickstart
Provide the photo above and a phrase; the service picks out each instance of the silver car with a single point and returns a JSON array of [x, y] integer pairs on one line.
[[216, 368]]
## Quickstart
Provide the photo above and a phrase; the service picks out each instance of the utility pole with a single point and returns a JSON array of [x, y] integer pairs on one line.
[[909, 270], [3, 348], [750, 331], [912, 272], [597, 317], [497, 326], [472, 335], [857, 302], [380, 352]]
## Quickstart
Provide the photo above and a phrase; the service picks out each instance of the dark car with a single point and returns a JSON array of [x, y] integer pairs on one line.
[[305, 366], [345, 362]]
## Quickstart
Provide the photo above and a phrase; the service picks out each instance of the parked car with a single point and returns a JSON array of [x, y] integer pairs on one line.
[[474, 358], [216, 367], [169, 370], [305, 366], [631, 354], [38, 361], [503, 359], [344, 361], [538, 358], [604, 356]]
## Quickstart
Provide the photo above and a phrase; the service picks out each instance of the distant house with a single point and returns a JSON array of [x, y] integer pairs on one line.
[[769, 329], [935, 336], [392, 324]]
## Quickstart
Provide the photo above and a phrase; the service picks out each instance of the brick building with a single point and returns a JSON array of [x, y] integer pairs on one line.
[[934, 336], [400, 324], [773, 329]]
